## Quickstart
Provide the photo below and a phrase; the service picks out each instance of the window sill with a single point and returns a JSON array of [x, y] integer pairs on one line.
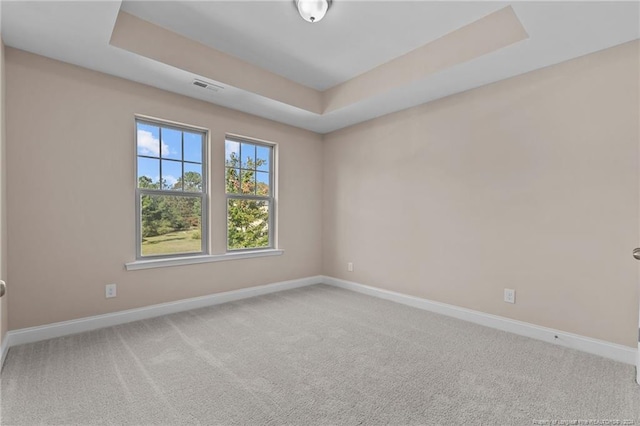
[[190, 260]]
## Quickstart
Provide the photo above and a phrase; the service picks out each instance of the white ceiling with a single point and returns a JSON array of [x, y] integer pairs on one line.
[[354, 37]]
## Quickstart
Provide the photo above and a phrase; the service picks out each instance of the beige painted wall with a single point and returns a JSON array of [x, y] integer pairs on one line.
[[530, 183], [4, 312], [70, 155]]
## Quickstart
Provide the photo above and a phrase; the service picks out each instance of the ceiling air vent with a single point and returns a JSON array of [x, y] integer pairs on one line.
[[207, 85]]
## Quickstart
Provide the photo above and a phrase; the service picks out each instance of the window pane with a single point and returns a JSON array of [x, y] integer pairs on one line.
[[148, 173], [232, 154], [148, 138], [247, 224], [192, 177], [170, 224], [248, 178], [193, 147], [263, 155], [172, 175], [171, 144], [232, 180], [248, 152], [262, 183]]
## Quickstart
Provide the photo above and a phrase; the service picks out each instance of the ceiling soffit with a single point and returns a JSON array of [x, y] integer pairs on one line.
[[481, 37]]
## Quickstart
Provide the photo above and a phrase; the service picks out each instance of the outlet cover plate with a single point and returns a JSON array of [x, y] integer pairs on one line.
[[509, 295], [110, 291]]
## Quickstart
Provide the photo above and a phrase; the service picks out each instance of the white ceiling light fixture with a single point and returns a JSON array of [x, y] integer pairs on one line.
[[312, 10]]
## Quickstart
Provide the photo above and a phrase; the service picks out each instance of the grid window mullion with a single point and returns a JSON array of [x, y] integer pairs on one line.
[[163, 210], [182, 157], [261, 221], [160, 155]]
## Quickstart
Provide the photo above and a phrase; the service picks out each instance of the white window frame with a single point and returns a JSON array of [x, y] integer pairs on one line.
[[271, 198], [204, 195]]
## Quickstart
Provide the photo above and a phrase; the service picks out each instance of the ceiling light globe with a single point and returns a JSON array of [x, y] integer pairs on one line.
[[312, 10]]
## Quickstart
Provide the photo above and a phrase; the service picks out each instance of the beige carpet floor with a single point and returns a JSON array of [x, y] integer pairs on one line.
[[312, 356]]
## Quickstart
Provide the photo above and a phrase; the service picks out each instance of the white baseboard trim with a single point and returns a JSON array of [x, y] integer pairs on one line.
[[64, 328], [602, 348], [4, 349]]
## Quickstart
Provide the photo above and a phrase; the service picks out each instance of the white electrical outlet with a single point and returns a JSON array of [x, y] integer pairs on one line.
[[509, 295], [110, 291], [350, 267]]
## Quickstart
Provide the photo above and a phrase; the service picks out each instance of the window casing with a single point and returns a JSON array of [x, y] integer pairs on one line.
[[171, 190], [249, 188]]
